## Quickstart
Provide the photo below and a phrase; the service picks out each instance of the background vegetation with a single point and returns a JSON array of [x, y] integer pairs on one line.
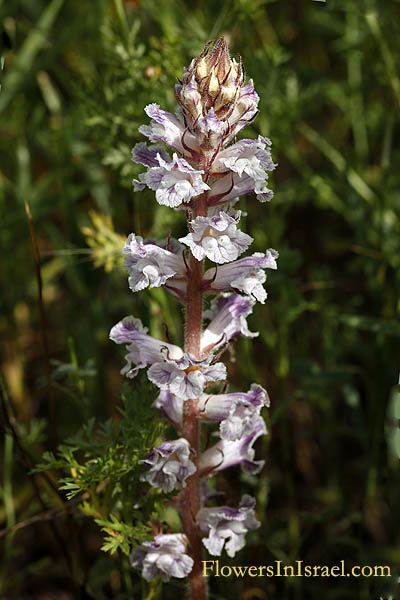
[[75, 80]]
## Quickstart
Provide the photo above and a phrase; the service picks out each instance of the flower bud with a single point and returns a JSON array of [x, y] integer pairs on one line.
[[212, 81]]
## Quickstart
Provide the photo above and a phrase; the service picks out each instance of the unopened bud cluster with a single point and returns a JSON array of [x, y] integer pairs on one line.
[[205, 166], [213, 80]]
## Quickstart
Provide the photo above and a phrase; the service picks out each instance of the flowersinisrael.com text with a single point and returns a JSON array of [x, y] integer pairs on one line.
[[299, 569]]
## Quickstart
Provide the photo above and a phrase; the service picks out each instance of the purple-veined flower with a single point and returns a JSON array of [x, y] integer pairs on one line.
[[244, 166], [245, 275], [186, 377], [246, 157], [143, 349], [168, 465], [227, 453], [170, 368], [227, 526], [166, 556], [238, 412], [217, 238], [175, 182], [227, 316], [150, 265], [210, 130], [232, 186], [164, 127]]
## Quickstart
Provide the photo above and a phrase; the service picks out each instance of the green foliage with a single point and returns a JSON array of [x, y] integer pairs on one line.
[[120, 535], [102, 462]]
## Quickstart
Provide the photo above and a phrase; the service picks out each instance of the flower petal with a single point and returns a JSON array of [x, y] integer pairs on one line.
[[143, 350], [147, 155], [163, 557], [174, 182], [245, 275], [186, 377], [150, 265], [169, 465], [217, 238], [228, 453], [227, 316], [237, 411], [227, 526]]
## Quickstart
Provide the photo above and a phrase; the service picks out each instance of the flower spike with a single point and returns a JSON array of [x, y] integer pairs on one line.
[[194, 164]]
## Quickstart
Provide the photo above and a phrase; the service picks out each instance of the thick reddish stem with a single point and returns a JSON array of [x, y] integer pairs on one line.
[[191, 505], [191, 502], [194, 308]]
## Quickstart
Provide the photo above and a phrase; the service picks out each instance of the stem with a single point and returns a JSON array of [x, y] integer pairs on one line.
[[194, 308], [191, 502]]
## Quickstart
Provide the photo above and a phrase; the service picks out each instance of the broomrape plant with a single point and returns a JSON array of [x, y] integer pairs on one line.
[[205, 176]]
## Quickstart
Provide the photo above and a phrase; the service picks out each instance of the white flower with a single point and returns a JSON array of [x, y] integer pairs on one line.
[[169, 465], [171, 369], [245, 275], [150, 265], [163, 557], [250, 157], [232, 186], [217, 238], [227, 453], [186, 377], [227, 316], [227, 526], [164, 127], [245, 165], [143, 350], [174, 182], [238, 411]]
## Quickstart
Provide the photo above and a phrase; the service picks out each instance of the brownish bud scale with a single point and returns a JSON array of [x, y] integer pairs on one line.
[[212, 81]]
